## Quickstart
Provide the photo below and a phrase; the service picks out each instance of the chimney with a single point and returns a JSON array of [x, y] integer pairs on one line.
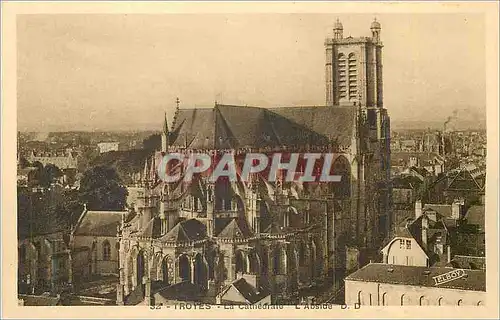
[[251, 279], [418, 208], [456, 209], [425, 226]]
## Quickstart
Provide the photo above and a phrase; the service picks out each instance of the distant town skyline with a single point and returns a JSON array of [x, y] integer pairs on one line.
[[118, 72]]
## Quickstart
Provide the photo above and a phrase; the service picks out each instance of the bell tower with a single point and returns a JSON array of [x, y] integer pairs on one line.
[[353, 68]]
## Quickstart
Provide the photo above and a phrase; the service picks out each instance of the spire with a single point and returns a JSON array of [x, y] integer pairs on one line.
[[165, 125], [145, 172], [338, 30], [164, 135], [375, 28], [174, 120], [152, 169]]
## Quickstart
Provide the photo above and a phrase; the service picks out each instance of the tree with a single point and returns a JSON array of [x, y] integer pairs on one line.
[[101, 189]]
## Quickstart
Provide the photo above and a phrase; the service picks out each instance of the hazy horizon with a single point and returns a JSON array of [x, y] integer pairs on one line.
[[122, 72]]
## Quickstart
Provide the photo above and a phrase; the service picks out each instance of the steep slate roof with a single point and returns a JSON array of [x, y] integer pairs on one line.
[[187, 230], [235, 229], [418, 276], [224, 127], [99, 223], [176, 234], [334, 123]]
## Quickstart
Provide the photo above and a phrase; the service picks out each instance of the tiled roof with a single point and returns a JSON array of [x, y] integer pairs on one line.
[[99, 223], [418, 276]]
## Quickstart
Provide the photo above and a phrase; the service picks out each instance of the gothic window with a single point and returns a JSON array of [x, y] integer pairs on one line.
[[240, 262], [341, 167], [106, 250], [353, 77], [342, 76]]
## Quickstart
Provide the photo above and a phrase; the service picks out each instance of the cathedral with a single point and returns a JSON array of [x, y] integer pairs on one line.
[[277, 236]]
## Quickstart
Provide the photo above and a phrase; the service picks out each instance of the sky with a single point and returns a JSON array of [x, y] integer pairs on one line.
[[123, 72]]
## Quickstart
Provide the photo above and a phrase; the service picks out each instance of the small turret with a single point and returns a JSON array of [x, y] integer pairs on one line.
[[338, 30], [375, 28]]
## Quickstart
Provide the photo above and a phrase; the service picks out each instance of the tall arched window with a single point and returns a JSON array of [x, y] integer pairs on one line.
[[384, 299], [460, 302], [353, 77], [402, 299], [342, 76], [106, 250]]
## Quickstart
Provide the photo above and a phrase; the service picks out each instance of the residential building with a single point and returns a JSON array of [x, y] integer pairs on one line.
[[108, 146], [394, 285]]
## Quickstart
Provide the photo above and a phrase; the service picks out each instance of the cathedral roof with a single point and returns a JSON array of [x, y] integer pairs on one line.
[[187, 230], [232, 228], [231, 231], [176, 234], [231, 127]]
